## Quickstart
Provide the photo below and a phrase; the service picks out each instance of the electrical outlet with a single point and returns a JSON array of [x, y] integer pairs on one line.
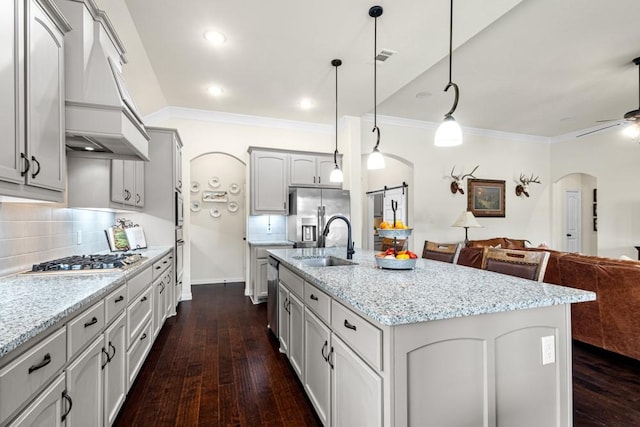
[[79, 237], [548, 349]]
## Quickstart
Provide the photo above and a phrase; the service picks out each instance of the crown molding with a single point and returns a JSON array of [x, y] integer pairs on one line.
[[421, 124], [168, 113]]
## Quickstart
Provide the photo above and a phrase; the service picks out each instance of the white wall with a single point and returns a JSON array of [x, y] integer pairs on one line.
[[613, 160]]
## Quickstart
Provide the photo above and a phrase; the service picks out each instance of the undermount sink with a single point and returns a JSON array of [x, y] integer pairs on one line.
[[324, 261]]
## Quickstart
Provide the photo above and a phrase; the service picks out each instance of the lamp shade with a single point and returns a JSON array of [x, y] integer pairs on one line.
[[336, 175], [466, 219], [449, 133], [375, 161]]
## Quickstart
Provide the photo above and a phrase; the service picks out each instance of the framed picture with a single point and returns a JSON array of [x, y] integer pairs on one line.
[[485, 197], [215, 196]]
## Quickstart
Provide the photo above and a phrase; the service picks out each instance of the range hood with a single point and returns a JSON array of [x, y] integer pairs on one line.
[[100, 114]]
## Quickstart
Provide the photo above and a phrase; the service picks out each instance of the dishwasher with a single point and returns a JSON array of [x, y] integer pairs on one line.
[[272, 297]]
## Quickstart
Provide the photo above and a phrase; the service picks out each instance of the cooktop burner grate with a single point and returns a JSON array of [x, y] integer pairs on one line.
[[88, 262]]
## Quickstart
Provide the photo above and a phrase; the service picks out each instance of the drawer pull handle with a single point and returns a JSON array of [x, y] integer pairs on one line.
[[313, 297], [93, 321], [143, 299], [108, 358], [324, 347], [119, 299], [34, 174], [329, 358], [45, 361], [114, 351], [164, 262], [66, 397], [349, 325], [144, 336], [158, 267], [27, 165]]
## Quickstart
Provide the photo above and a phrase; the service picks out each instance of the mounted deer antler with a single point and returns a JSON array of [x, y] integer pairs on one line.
[[523, 187], [456, 184]]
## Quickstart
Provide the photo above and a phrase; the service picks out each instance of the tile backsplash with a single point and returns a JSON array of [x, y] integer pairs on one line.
[[267, 227], [33, 233]]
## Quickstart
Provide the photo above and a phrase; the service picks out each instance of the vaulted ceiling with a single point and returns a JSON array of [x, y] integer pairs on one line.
[[537, 67]]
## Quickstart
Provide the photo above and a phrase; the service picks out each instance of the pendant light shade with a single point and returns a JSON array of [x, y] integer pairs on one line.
[[336, 174], [375, 161], [449, 133]]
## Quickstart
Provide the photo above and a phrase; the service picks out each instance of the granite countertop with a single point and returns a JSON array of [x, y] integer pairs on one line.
[[434, 290], [33, 303]]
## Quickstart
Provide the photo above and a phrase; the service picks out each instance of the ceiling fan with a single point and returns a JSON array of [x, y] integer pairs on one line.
[[632, 118]]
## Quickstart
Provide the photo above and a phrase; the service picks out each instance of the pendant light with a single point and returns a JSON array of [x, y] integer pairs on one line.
[[375, 161], [449, 133], [336, 173]]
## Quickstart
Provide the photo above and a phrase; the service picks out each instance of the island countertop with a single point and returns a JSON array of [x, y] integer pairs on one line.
[[433, 290], [32, 303]]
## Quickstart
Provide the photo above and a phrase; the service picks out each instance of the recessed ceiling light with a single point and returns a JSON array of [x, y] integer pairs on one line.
[[305, 103], [89, 148], [216, 38], [215, 90]]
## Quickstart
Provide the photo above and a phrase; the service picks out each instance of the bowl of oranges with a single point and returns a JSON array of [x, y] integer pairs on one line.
[[397, 229], [401, 260]]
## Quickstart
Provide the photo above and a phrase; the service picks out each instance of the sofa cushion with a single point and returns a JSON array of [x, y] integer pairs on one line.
[[471, 257], [502, 242]]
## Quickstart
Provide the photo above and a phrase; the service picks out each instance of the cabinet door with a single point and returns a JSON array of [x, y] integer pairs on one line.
[[296, 335], [138, 199], [324, 168], [317, 377], [269, 183], [168, 293], [178, 164], [12, 90], [283, 318], [129, 179], [356, 390], [303, 169], [46, 410], [159, 289], [45, 101], [117, 181], [261, 290], [115, 371], [84, 386]]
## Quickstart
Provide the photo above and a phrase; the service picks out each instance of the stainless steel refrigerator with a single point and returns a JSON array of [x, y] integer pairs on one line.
[[309, 211]]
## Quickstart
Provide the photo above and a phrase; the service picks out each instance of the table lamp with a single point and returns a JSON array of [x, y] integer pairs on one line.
[[466, 220]]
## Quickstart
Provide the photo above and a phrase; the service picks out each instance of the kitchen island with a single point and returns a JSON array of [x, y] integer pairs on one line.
[[437, 345]]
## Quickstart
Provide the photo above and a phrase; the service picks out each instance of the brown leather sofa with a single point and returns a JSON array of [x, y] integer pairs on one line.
[[612, 321]]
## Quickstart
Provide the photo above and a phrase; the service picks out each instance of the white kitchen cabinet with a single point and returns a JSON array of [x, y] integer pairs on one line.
[[291, 328], [115, 368], [312, 170], [317, 378], [283, 318], [160, 290], [32, 162], [85, 388], [127, 182], [258, 269], [177, 161], [48, 408], [356, 389], [269, 182]]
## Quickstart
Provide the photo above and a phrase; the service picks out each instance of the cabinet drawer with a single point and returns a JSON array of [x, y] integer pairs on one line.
[[136, 284], [83, 328], [161, 265], [115, 303], [24, 376], [317, 301], [292, 281], [138, 312], [361, 335], [138, 351]]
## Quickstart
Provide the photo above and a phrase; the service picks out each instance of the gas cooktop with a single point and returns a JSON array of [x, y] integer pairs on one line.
[[86, 263]]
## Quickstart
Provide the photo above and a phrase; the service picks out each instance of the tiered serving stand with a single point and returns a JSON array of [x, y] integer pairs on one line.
[[390, 263]]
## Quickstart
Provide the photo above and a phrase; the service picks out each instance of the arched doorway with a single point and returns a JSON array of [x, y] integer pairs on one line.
[[217, 219], [575, 217]]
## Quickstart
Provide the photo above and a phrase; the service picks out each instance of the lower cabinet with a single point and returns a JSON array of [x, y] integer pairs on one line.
[[47, 409], [291, 328], [317, 378], [84, 387], [115, 368]]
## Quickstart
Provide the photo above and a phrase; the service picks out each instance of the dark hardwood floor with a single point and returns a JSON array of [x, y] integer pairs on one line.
[[215, 364]]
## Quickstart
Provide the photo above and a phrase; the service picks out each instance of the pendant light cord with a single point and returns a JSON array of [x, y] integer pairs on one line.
[[451, 83], [375, 79], [335, 153]]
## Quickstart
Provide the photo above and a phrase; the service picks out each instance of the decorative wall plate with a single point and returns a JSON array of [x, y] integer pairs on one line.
[[215, 212], [195, 187], [234, 188], [232, 206], [214, 182], [195, 206]]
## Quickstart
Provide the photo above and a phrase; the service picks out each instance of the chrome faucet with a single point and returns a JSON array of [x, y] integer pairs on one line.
[[325, 232]]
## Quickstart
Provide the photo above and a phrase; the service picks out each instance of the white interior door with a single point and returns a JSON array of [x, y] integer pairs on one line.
[[572, 221]]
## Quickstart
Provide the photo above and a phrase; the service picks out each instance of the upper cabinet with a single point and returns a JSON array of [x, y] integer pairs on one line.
[[127, 182], [177, 159], [269, 182], [32, 162], [313, 170]]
